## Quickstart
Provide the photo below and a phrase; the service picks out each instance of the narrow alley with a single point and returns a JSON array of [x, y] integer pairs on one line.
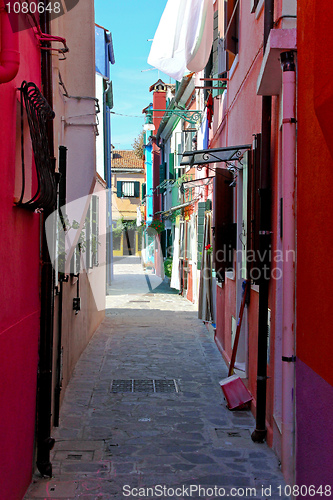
[[144, 408]]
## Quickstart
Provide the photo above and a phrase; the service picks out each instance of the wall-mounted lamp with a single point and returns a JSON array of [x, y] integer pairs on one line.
[[149, 126]]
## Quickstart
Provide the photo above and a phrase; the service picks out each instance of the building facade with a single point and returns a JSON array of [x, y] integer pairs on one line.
[[128, 186], [53, 297], [20, 270]]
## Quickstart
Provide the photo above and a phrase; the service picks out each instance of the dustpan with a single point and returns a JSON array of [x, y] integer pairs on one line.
[[234, 390]]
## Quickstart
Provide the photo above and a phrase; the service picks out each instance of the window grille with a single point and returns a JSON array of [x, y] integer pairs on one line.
[[38, 113]]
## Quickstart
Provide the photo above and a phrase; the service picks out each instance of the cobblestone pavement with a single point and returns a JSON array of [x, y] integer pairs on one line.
[[110, 442]]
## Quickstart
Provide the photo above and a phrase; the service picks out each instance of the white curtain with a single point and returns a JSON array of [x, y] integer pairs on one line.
[[184, 37]]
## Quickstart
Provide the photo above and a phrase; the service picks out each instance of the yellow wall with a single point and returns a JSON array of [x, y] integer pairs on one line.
[[125, 207]]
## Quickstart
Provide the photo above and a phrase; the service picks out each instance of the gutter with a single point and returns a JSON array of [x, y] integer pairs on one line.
[[114, 170], [289, 279], [9, 55]]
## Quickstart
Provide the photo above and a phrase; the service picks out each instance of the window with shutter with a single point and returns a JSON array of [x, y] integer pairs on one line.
[[224, 229], [143, 190], [232, 27], [128, 189]]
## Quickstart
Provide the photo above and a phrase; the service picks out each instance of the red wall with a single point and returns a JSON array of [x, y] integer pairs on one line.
[[159, 102], [314, 190], [20, 309], [314, 375]]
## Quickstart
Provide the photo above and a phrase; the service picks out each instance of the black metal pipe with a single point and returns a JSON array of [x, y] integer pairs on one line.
[[259, 434], [44, 380], [59, 358], [63, 278]]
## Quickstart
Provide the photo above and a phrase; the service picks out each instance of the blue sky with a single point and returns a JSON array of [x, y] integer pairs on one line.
[[132, 23]]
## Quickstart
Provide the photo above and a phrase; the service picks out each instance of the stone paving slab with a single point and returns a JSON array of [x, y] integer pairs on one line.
[[110, 441]]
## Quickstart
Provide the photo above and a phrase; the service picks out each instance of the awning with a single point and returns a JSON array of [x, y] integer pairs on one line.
[[197, 182], [226, 154], [178, 207]]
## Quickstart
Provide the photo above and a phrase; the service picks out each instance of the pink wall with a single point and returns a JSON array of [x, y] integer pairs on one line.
[[314, 376], [20, 310]]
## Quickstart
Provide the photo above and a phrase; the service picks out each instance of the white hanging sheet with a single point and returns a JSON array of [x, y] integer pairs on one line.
[[183, 38], [175, 277]]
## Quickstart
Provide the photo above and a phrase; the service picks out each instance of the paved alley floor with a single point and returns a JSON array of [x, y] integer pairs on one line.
[[153, 439]]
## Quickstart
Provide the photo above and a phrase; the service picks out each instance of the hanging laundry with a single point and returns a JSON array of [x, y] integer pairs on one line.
[[184, 37], [210, 111], [199, 37]]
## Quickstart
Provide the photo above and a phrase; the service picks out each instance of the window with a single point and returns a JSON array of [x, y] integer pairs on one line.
[[254, 4], [231, 37], [128, 189], [228, 45]]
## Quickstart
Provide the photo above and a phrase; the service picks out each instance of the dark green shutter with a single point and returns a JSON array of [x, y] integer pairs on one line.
[[119, 189], [162, 175], [163, 243], [136, 189], [172, 165], [208, 205], [143, 190], [162, 172], [179, 157]]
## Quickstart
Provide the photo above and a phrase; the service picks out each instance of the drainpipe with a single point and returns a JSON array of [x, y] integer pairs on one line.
[[9, 55], [259, 434], [44, 382], [288, 242]]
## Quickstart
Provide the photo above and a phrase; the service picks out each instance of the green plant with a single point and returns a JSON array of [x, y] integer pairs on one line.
[[156, 226], [209, 249], [168, 267]]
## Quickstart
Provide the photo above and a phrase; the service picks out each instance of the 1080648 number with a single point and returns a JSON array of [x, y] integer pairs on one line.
[[33, 7], [305, 491]]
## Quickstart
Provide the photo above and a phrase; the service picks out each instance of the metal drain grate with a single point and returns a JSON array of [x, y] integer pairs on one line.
[[155, 386], [165, 386], [143, 386], [122, 386]]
